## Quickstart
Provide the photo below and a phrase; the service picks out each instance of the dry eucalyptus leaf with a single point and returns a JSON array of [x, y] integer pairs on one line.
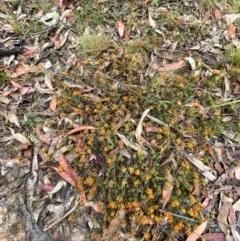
[[114, 225], [167, 190], [23, 69], [120, 28], [50, 19], [13, 119], [205, 169], [223, 215], [195, 235], [139, 126], [20, 137]]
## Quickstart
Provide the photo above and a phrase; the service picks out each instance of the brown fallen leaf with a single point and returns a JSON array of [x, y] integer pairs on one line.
[[206, 202], [66, 167], [214, 236], [114, 225], [53, 104], [60, 4], [112, 153], [120, 28], [24, 69], [43, 90], [46, 138], [101, 1], [237, 87], [56, 42], [167, 190], [217, 14], [20, 137], [80, 128], [31, 51], [195, 235], [65, 176], [12, 117], [231, 30], [172, 67], [223, 215], [45, 187], [23, 89]]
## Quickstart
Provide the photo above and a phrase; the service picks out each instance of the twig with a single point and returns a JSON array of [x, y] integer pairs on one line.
[[221, 105], [61, 218], [180, 216]]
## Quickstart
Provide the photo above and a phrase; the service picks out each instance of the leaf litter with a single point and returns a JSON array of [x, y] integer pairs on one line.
[[93, 76]]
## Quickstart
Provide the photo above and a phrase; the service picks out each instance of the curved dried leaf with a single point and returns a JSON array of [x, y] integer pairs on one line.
[[47, 138], [53, 104], [167, 190], [173, 66], [43, 90], [60, 4], [114, 225], [152, 129], [13, 119], [59, 186], [139, 126], [129, 144], [80, 128], [4, 100], [231, 30], [45, 187], [214, 236], [195, 235], [31, 51], [20, 137], [98, 207], [65, 176], [66, 167], [120, 28], [23, 69]]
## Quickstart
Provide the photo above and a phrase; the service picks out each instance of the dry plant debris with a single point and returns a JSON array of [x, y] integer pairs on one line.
[[119, 120]]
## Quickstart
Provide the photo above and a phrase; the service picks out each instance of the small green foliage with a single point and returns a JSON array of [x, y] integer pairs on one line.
[[31, 120], [3, 77]]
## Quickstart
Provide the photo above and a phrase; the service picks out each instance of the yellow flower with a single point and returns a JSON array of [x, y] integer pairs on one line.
[[190, 145], [179, 192], [112, 205], [60, 169], [169, 217], [181, 85], [146, 236], [136, 182], [192, 199], [188, 230], [89, 181], [150, 193], [137, 172], [151, 210], [131, 170], [147, 177], [178, 227], [175, 203], [124, 182], [179, 102], [111, 183]]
